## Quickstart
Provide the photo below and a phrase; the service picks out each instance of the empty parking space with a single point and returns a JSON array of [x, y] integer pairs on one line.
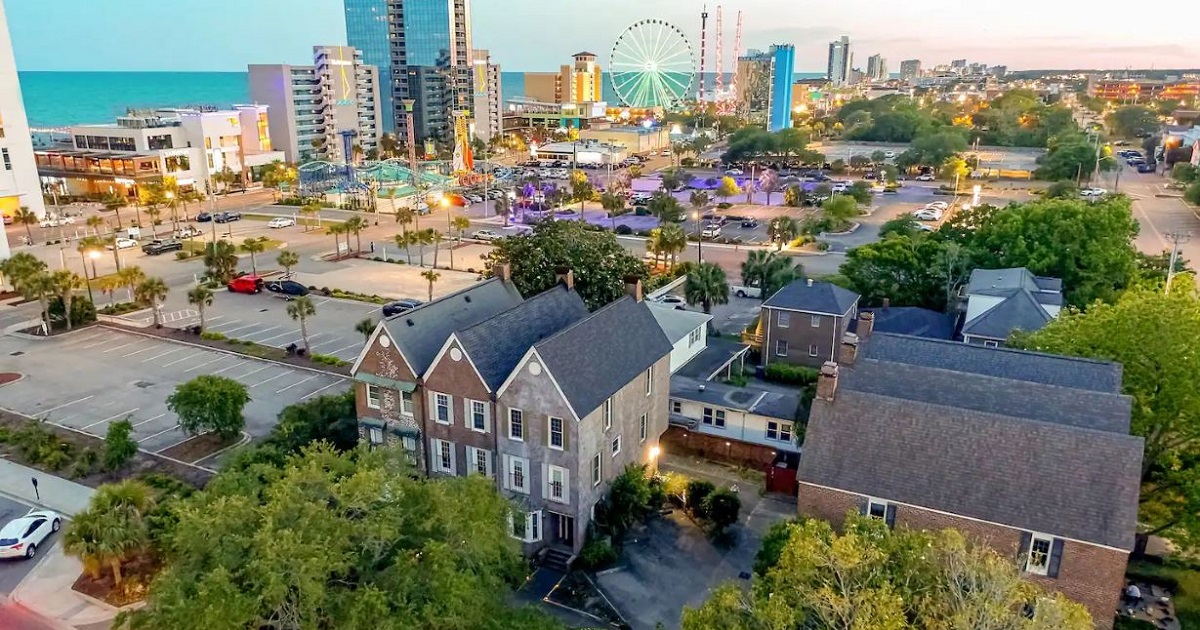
[[91, 378]]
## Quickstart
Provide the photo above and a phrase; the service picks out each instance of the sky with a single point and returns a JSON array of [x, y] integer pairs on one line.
[[536, 35]]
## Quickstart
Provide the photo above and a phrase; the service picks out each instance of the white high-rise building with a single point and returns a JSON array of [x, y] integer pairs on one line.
[[841, 60], [488, 95], [19, 184]]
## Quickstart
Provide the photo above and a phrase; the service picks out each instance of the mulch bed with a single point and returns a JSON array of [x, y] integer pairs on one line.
[[198, 447], [135, 579], [8, 377], [142, 462]]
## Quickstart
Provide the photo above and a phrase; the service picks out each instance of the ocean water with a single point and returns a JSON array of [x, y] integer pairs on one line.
[[57, 99]]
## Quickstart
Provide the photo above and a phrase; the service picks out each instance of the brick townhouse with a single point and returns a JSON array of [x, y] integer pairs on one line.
[[546, 398], [1028, 453]]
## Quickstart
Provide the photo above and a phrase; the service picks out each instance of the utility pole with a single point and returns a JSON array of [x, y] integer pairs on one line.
[[1177, 238]]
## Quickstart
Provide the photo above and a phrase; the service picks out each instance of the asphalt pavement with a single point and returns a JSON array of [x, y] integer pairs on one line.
[[13, 570]]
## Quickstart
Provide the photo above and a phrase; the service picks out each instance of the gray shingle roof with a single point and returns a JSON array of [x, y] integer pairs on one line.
[[913, 320], [595, 357], [1038, 476], [1024, 296], [1019, 311], [821, 297], [421, 332], [497, 344], [719, 353], [984, 280], [747, 399], [677, 324], [1091, 375]]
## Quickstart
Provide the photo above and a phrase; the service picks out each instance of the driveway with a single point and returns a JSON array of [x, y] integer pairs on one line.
[[90, 378]]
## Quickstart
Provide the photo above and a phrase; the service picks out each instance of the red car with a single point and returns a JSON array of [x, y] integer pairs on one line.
[[246, 284]]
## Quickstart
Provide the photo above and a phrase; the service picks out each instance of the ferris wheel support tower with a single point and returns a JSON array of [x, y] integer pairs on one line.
[[720, 57], [703, 48]]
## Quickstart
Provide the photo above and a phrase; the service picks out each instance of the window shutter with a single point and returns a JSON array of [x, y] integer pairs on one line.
[[864, 506], [435, 456], [545, 481], [1056, 551], [489, 463], [506, 471], [890, 516], [566, 481], [566, 435], [1023, 550], [453, 459]]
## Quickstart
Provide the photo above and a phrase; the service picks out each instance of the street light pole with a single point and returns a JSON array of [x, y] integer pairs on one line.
[[699, 238]]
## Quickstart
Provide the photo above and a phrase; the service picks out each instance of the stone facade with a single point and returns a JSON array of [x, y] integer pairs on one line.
[[398, 414], [1089, 574]]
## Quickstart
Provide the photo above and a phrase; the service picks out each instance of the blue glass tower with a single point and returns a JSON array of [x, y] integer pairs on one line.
[[367, 30], [782, 77]]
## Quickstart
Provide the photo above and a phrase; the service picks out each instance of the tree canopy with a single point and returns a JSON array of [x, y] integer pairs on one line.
[[871, 577], [210, 403], [1133, 120], [598, 262]]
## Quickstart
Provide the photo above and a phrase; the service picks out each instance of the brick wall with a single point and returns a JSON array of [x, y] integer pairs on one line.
[[1090, 575], [680, 441]]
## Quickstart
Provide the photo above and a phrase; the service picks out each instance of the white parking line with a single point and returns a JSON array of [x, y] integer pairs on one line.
[[226, 369], [68, 404], [306, 397], [255, 371], [233, 330], [251, 337], [95, 343], [85, 339], [290, 332], [197, 367], [122, 346], [280, 391], [351, 346], [286, 373], [159, 356], [141, 351], [138, 424], [125, 414], [150, 437], [193, 356]]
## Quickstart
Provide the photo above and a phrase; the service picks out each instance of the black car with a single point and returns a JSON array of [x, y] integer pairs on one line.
[[287, 287], [749, 223], [204, 217], [399, 306], [154, 248], [228, 217], [1147, 167]]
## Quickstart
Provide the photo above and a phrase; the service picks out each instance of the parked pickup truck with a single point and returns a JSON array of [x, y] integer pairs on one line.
[[154, 248], [746, 291]]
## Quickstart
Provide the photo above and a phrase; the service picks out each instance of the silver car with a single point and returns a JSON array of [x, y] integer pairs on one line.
[[21, 537]]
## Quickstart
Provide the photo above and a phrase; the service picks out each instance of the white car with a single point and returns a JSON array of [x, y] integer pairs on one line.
[[474, 198], [124, 243], [928, 214], [840, 187], [49, 222], [21, 536], [734, 171], [940, 205], [1093, 192], [927, 177], [711, 231], [281, 222], [486, 235], [889, 154], [925, 227]]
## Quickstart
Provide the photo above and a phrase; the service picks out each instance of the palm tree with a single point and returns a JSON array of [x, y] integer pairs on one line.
[[109, 284], [153, 291], [769, 271], [39, 286], [674, 240], [699, 199], [458, 225], [366, 328], [355, 225], [432, 276], [66, 283], [503, 206], [114, 526], [435, 238], [655, 245], [754, 269], [405, 217], [113, 203], [337, 229], [782, 230], [254, 246], [706, 285], [287, 259], [94, 222], [614, 205], [20, 266], [85, 246], [25, 216], [154, 213], [130, 278], [201, 297], [310, 211], [300, 309], [220, 260]]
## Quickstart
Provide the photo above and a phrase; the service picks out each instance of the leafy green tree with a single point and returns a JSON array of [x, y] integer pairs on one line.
[[1070, 158], [770, 270], [119, 445], [875, 578], [254, 246], [210, 403], [673, 178], [954, 168], [722, 507], [1065, 189], [628, 499], [727, 188], [860, 191], [220, 260], [1152, 335], [1192, 194], [706, 285], [201, 297], [908, 270], [597, 260], [1185, 172], [365, 327], [350, 541], [903, 225], [665, 207], [938, 147], [1132, 120], [840, 209]]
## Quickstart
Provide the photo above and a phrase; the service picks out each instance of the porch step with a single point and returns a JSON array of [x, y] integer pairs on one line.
[[557, 559]]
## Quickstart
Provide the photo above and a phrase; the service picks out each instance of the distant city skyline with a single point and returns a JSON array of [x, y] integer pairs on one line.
[[227, 35]]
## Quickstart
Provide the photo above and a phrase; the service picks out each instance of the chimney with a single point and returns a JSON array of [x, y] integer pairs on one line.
[[810, 282], [565, 277], [866, 323], [827, 381], [633, 287], [503, 271], [849, 350]]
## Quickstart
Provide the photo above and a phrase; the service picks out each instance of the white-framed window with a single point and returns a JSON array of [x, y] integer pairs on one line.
[[516, 474], [608, 414], [616, 446], [516, 425], [1038, 559], [877, 508], [441, 408], [479, 415], [816, 321], [409, 444], [443, 456], [676, 406], [783, 319], [650, 380], [781, 431], [596, 470], [479, 461], [375, 436], [991, 344], [373, 396], [556, 437], [812, 349], [695, 336], [642, 429], [557, 484], [526, 526], [781, 348], [406, 403], [714, 417]]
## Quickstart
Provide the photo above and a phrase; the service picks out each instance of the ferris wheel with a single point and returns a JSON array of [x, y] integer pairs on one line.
[[652, 65]]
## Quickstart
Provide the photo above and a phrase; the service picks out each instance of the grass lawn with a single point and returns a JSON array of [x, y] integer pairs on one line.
[[1183, 579]]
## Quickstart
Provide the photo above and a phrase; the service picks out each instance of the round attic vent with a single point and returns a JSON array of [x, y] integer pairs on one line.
[[535, 368], [455, 354], [385, 341]]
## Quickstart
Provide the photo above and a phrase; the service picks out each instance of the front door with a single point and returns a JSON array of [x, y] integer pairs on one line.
[[564, 529]]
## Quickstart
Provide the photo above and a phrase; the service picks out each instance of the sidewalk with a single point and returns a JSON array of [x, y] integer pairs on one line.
[[47, 589]]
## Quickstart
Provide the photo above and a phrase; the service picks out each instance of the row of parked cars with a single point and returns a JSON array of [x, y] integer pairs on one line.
[[219, 217]]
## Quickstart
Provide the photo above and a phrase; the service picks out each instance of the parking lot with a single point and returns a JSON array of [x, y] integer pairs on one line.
[[88, 379], [12, 571]]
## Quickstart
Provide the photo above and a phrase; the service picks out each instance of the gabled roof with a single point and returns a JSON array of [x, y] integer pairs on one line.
[[912, 320], [595, 357], [985, 280], [747, 399], [1025, 301], [676, 323], [421, 332], [1019, 311], [817, 297], [497, 344]]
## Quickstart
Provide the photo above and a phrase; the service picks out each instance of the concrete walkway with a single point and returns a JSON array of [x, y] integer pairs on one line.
[[47, 591]]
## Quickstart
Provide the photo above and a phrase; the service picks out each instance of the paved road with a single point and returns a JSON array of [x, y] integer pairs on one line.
[[12, 571]]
